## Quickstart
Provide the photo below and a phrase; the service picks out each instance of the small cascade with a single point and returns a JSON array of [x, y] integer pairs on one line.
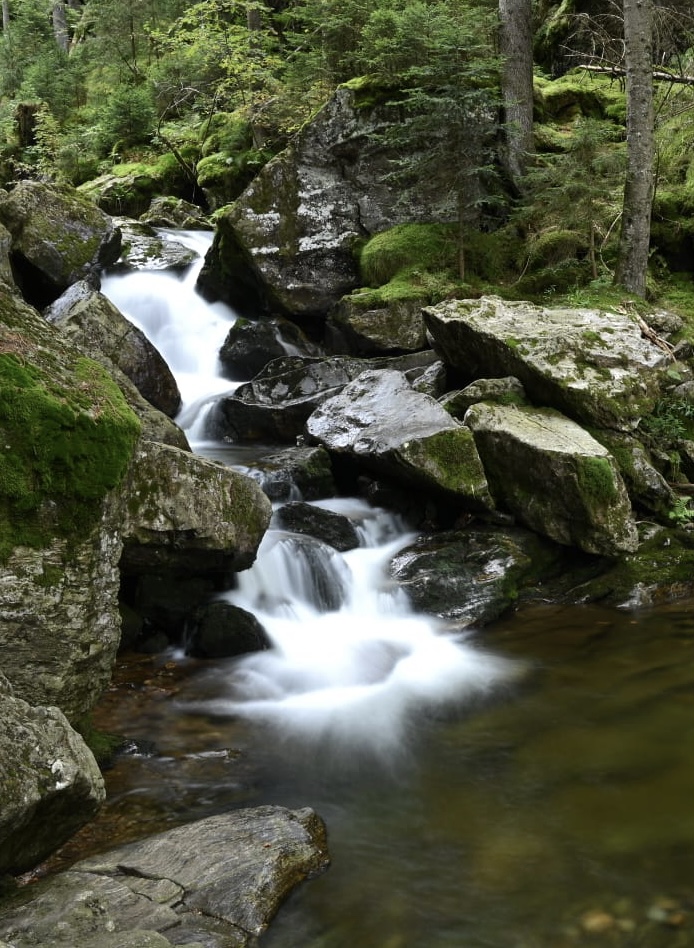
[[351, 663], [187, 330]]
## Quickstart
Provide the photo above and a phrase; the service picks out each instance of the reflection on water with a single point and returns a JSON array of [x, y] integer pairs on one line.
[[558, 813]]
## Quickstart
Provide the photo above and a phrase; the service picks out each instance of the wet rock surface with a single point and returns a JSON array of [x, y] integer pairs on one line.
[[89, 320], [216, 882], [51, 784], [597, 367]]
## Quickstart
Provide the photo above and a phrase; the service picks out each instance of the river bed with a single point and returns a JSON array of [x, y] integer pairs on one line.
[[529, 787]]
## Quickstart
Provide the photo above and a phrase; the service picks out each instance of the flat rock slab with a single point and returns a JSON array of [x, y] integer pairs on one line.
[[554, 477], [592, 365], [216, 882]]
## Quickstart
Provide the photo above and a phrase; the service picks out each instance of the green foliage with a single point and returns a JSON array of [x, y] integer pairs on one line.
[[573, 200], [672, 420], [126, 119], [682, 512]]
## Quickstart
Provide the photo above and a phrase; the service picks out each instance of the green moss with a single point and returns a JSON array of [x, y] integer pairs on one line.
[[369, 91], [408, 247], [596, 480], [103, 744], [64, 447]]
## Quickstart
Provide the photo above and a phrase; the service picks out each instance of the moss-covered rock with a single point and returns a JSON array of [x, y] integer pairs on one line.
[[67, 437], [595, 366], [58, 237], [66, 430], [554, 477]]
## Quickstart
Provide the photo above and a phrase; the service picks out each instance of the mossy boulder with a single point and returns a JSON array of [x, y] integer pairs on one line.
[[594, 366], [554, 477], [190, 514], [68, 436], [380, 423], [93, 323], [287, 245], [58, 237], [127, 190], [365, 331], [175, 214]]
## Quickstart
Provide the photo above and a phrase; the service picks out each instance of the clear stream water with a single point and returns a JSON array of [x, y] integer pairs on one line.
[[530, 786]]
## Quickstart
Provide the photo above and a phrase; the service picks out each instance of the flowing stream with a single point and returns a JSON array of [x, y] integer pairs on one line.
[[530, 787]]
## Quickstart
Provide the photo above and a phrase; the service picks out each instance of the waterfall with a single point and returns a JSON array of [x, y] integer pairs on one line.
[[351, 664]]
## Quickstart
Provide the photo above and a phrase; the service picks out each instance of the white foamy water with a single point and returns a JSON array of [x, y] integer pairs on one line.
[[356, 674], [187, 330], [350, 662]]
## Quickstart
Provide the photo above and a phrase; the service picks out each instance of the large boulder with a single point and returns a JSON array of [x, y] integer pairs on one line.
[[188, 513], [380, 422], [58, 237], [554, 477], [594, 366], [217, 882], [287, 244], [276, 403], [50, 784], [94, 324], [68, 437]]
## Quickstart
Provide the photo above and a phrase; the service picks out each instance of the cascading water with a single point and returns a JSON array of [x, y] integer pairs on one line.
[[559, 814], [350, 662]]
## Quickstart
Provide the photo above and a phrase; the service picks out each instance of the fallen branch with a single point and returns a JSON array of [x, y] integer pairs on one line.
[[658, 74]]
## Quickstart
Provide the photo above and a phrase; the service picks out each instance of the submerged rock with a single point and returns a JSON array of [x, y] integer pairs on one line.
[[472, 577], [217, 882], [554, 477], [594, 366], [299, 472], [51, 784]]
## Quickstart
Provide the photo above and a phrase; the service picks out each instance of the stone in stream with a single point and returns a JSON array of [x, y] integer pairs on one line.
[[217, 882], [554, 477], [330, 527], [220, 629], [50, 782]]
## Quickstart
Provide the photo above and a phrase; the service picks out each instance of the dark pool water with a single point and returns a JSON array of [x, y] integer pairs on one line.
[[558, 811]]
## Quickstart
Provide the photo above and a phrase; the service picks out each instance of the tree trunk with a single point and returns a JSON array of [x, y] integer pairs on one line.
[[632, 261], [516, 47], [5, 16], [60, 31]]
